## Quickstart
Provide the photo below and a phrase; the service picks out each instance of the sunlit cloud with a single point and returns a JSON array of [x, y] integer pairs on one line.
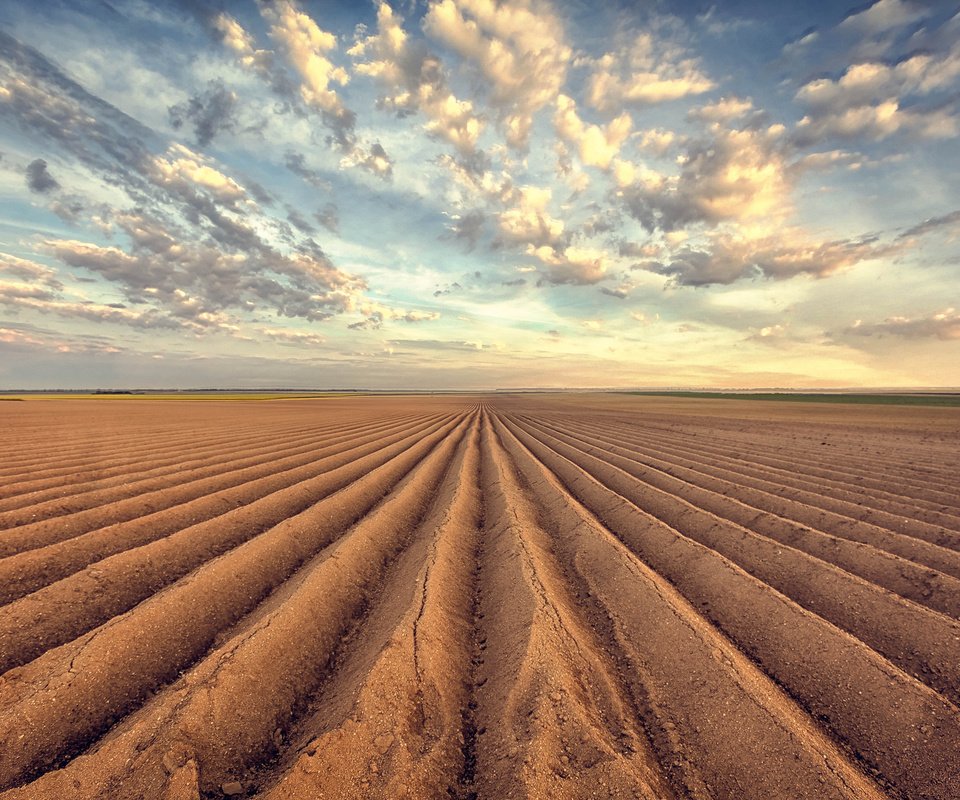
[[531, 187]]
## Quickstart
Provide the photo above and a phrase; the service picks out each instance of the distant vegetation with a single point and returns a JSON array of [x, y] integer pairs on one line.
[[797, 397]]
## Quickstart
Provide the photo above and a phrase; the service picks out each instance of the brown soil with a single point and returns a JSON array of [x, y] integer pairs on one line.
[[567, 596]]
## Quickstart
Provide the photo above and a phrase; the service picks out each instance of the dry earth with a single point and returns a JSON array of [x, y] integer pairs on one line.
[[492, 597]]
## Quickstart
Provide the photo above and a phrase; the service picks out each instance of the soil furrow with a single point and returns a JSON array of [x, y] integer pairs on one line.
[[552, 715], [137, 469], [713, 717], [748, 473], [387, 720], [787, 459], [921, 642], [62, 700], [171, 503], [280, 657], [273, 455], [904, 732], [28, 571], [66, 609], [880, 556], [786, 498]]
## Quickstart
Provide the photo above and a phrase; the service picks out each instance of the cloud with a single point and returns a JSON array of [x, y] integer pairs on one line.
[[876, 100], [944, 325], [528, 221], [519, 47], [570, 265], [258, 61], [46, 301], [375, 160], [438, 344], [290, 337], [29, 271], [414, 81], [620, 292], [882, 16], [39, 178], [377, 313], [211, 112], [199, 282], [185, 171], [329, 217], [297, 164], [730, 175], [727, 258], [468, 228], [723, 110], [48, 105], [658, 141], [307, 47], [299, 221], [648, 71], [948, 221], [36, 340], [596, 145]]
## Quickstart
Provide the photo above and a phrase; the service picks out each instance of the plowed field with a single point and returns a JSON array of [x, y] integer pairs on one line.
[[478, 597]]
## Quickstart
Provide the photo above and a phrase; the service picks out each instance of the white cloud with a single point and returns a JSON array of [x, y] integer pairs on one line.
[[649, 71], [877, 100], [574, 265], [307, 47], [596, 145], [519, 47], [723, 110], [414, 80], [882, 16], [186, 167], [731, 175], [529, 220]]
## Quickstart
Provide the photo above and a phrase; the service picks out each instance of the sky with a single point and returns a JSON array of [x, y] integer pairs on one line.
[[471, 194]]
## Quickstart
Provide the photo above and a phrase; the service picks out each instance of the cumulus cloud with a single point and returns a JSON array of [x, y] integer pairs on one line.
[[183, 170], [723, 110], [210, 112], [413, 80], [519, 47], [39, 178], [876, 100], [375, 159], [570, 265], [528, 221], [657, 141], [944, 325], [309, 50], [649, 70], [596, 145], [730, 175], [308, 47]]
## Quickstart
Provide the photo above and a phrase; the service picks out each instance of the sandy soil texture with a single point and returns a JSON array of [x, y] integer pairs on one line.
[[491, 596]]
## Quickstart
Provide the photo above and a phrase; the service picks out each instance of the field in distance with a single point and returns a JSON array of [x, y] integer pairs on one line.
[[478, 596]]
